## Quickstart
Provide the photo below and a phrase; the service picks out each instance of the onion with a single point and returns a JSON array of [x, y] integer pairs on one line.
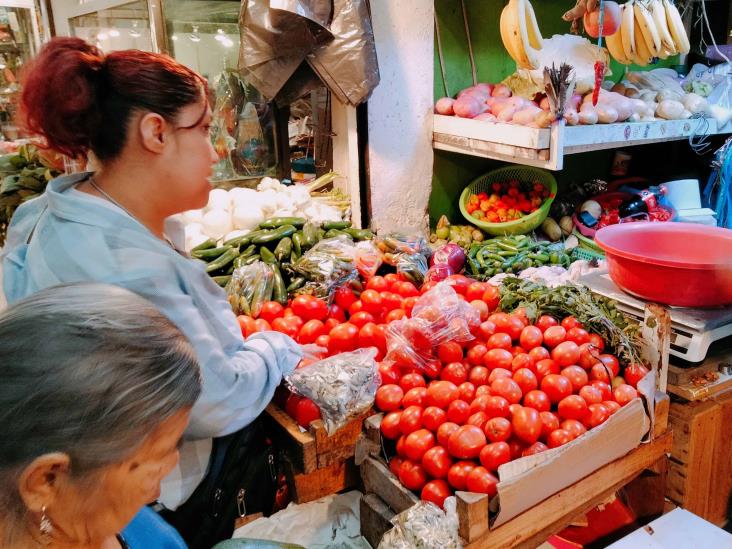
[[451, 255]]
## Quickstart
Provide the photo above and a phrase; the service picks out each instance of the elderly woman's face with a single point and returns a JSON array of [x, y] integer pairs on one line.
[[101, 506]]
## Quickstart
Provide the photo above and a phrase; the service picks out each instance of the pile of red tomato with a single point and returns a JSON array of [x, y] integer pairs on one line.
[[509, 200], [516, 390]]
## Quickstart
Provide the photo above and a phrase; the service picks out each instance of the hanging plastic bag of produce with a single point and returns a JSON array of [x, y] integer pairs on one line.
[[343, 386], [424, 525], [410, 254], [328, 264], [368, 258], [250, 286]]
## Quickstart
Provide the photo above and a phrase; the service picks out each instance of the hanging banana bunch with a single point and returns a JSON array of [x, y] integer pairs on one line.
[[520, 33]]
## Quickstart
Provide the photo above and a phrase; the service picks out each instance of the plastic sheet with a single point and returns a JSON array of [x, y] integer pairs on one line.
[[250, 286], [424, 526], [327, 265], [343, 386]]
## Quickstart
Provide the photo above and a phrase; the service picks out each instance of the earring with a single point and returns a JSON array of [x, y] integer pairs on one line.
[[46, 525]]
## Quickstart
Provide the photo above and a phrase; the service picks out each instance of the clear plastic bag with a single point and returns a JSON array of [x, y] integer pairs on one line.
[[343, 386], [368, 258], [327, 265], [413, 267], [250, 286], [439, 316], [424, 526]]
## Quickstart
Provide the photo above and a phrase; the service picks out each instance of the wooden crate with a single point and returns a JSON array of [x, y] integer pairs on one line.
[[334, 478], [313, 449], [700, 471]]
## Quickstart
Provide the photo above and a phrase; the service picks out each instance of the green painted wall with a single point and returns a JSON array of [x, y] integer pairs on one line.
[[452, 172]]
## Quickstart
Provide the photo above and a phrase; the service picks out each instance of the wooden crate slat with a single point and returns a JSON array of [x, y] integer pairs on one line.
[[379, 480]]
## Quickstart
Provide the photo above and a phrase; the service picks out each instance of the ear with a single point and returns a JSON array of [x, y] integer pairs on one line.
[[152, 128], [40, 480]]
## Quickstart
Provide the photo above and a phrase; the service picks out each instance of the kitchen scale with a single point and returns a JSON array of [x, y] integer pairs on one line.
[[693, 331]]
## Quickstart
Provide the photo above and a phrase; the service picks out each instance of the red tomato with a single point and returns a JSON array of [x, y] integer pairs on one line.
[[366, 335], [481, 481], [539, 353], [576, 375], [611, 362], [491, 296], [458, 412], [556, 387], [457, 476], [433, 417], [306, 412], [558, 437], [247, 325], [572, 407], [388, 397], [508, 389], [478, 375], [634, 373], [498, 373], [444, 431], [442, 393], [467, 391], [600, 372], [437, 462], [566, 354], [591, 394], [517, 447], [554, 335], [500, 341], [546, 367], [498, 429], [481, 307], [478, 419], [372, 302], [624, 393], [436, 491], [466, 442], [336, 313], [531, 337], [380, 337], [356, 307], [578, 335], [408, 304], [597, 341], [291, 404], [330, 323], [417, 443], [395, 465], [450, 352], [494, 454], [377, 283], [390, 425], [573, 427], [391, 301], [396, 314], [459, 283], [432, 369], [271, 310], [308, 307], [411, 419], [310, 331], [283, 325], [343, 337], [526, 380], [323, 341], [515, 326], [527, 424], [344, 297], [400, 447], [498, 358], [611, 406], [570, 322], [549, 423], [589, 356], [497, 406], [404, 289], [389, 373], [502, 322], [412, 475], [391, 279], [535, 448], [362, 318], [597, 415], [475, 291], [416, 396], [538, 400], [455, 372], [483, 390], [523, 360], [410, 381], [546, 321], [475, 354], [486, 330]]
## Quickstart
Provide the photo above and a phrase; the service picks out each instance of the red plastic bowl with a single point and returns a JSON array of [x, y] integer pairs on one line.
[[679, 264]]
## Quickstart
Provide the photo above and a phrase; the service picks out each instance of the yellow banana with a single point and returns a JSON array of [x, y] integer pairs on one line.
[[658, 12], [676, 27], [644, 22], [642, 55], [627, 28], [614, 44], [520, 33], [535, 38]]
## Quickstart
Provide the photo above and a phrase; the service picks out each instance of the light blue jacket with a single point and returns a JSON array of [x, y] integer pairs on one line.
[[80, 237]]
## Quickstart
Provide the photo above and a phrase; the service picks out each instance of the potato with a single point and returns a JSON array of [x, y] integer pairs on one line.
[[467, 106], [444, 106]]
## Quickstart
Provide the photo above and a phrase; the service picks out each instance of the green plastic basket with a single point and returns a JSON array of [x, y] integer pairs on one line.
[[524, 174], [587, 255]]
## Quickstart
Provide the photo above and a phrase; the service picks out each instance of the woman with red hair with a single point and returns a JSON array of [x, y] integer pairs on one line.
[[146, 119]]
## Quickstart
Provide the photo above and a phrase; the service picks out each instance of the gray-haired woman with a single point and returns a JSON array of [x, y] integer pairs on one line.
[[96, 387]]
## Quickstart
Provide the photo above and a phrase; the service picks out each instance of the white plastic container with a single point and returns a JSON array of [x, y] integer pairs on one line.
[[683, 194]]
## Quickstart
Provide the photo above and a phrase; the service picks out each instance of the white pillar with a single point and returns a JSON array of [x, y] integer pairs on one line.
[[400, 114]]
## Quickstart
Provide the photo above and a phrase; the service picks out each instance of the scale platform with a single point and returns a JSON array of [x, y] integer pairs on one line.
[[692, 330]]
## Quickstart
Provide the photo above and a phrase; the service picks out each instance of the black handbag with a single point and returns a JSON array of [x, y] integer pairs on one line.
[[241, 480]]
